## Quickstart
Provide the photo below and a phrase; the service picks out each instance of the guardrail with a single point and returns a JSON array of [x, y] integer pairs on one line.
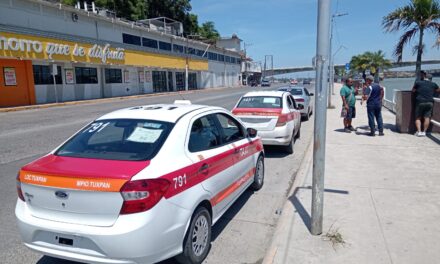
[[390, 104], [435, 122]]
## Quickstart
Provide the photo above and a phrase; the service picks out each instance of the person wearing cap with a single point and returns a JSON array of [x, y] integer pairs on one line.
[[374, 95], [424, 91]]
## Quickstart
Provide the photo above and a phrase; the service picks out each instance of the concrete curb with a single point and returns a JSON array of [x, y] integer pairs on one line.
[[91, 101], [288, 210]]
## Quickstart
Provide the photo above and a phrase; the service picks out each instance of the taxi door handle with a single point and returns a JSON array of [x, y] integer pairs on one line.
[[204, 169]]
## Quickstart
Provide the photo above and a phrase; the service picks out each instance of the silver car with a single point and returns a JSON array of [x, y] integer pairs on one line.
[[303, 98]]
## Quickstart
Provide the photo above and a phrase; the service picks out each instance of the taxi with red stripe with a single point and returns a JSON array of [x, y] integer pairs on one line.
[[139, 185], [274, 114]]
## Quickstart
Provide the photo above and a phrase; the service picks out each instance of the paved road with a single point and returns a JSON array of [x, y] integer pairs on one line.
[[241, 236]]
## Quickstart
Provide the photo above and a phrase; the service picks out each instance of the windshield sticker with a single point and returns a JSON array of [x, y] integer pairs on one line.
[[269, 100], [152, 125], [145, 135], [98, 127]]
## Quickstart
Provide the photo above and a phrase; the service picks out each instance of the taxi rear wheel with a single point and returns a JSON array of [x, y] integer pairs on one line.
[[259, 175], [197, 239], [289, 148]]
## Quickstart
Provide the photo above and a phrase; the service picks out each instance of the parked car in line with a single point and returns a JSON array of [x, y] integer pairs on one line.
[[139, 185], [274, 114], [265, 82], [306, 81], [294, 82], [303, 98]]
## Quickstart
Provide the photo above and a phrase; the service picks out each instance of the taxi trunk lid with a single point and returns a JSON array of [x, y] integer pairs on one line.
[[261, 119], [77, 190]]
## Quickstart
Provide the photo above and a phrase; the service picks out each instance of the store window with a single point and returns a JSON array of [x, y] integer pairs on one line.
[[159, 81], [164, 46], [180, 81], [131, 39], [42, 75], [113, 76], [192, 81], [178, 48], [151, 43], [86, 75], [221, 57]]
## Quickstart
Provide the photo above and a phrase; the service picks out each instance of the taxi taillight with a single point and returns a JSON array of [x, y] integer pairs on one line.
[[282, 120], [19, 191], [142, 195]]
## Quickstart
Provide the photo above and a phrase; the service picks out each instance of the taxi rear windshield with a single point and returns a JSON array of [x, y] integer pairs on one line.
[[260, 102], [118, 139]]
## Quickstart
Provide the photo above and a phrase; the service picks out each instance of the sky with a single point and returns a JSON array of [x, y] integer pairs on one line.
[[287, 29]]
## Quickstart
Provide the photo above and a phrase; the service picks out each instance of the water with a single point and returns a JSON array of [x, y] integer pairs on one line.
[[403, 84]]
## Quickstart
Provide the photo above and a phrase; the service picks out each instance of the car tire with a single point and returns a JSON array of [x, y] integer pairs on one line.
[[306, 117], [289, 148], [298, 133], [259, 174], [197, 241]]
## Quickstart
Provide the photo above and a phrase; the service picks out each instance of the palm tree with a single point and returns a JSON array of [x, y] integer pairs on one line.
[[416, 17], [377, 62], [359, 63]]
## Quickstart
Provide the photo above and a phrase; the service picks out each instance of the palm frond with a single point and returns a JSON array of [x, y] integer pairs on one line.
[[404, 39]]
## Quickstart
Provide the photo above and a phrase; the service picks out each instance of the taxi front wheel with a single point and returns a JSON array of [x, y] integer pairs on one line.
[[259, 175], [198, 238]]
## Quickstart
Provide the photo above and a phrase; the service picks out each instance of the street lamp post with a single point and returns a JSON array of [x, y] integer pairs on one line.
[[321, 62], [332, 67]]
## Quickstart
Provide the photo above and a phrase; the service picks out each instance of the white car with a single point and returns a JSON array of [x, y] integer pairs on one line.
[[138, 185], [274, 114], [303, 98]]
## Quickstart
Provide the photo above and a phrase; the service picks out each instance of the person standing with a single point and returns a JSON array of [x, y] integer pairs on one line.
[[374, 95], [349, 104], [424, 92]]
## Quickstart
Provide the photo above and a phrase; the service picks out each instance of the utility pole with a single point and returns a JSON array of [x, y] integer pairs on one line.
[[246, 74], [268, 59], [331, 63], [322, 55]]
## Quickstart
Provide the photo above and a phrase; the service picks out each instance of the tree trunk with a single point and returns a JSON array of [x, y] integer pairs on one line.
[[419, 56]]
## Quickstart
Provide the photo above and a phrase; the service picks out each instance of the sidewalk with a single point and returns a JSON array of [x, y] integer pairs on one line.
[[381, 200]]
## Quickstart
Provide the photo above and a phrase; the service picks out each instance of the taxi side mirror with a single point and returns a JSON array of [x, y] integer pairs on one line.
[[251, 132], [300, 107], [311, 94]]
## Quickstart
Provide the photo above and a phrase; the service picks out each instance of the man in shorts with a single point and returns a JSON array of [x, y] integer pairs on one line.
[[348, 102], [424, 92]]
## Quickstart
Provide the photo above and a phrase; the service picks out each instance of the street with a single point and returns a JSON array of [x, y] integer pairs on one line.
[[242, 235]]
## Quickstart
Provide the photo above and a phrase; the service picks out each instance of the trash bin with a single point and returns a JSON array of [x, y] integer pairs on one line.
[[405, 112]]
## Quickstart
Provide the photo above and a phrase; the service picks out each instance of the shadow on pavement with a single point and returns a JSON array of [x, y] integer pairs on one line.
[[274, 152], [301, 210], [230, 214], [434, 137]]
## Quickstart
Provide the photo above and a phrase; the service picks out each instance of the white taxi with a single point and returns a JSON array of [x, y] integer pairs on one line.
[[138, 185], [274, 114]]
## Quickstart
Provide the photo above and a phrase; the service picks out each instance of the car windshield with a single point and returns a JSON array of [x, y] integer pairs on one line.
[[260, 102], [117, 139], [296, 91]]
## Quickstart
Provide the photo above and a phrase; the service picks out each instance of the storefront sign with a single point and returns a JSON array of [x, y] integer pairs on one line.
[[69, 76], [31, 47], [50, 49], [10, 77]]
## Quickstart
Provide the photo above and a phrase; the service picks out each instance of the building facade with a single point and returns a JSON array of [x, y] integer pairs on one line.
[[54, 53]]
